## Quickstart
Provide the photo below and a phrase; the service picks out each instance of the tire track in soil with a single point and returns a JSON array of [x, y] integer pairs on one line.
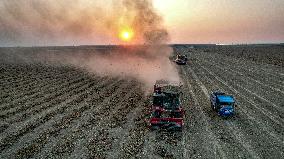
[[154, 144], [149, 138], [194, 140], [245, 74], [276, 110], [251, 117], [265, 80], [115, 117], [247, 70], [258, 67], [248, 86], [223, 128], [232, 61], [265, 112], [226, 84], [248, 125], [149, 146], [241, 126], [277, 70], [127, 134], [204, 137], [132, 133], [10, 135]]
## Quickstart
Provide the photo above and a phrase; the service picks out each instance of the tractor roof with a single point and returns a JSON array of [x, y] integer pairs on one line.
[[225, 98]]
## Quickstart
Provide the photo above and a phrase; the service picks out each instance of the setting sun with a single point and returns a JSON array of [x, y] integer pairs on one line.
[[126, 35]]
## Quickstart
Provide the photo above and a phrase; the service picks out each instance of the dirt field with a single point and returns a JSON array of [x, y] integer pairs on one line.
[[257, 129], [64, 112]]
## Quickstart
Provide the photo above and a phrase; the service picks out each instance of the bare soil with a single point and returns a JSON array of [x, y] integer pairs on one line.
[[58, 111]]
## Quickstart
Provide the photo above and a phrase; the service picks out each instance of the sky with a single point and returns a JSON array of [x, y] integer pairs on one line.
[[223, 21], [79, 22]]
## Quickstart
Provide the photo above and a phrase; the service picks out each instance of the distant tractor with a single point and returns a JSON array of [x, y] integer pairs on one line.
[[166, 110], [223, 104], [181, 59]]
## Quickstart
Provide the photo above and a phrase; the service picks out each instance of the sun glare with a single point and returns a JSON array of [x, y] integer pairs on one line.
[[126, 35]]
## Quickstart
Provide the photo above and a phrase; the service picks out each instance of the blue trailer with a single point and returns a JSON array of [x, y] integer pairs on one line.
[[223, 104]]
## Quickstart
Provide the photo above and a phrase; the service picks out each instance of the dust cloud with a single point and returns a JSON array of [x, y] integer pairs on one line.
[[68, 22], [137, 62], [145, 57]]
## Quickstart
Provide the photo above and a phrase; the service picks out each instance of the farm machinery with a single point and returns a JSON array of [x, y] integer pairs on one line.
[[166, 109], [181, 59], [222, 103]]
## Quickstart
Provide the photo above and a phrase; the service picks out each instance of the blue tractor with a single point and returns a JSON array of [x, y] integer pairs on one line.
[[223, 104]]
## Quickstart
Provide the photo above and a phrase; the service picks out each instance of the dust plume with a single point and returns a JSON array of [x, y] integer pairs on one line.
[[68, 22], [120, 61], [146, 57]]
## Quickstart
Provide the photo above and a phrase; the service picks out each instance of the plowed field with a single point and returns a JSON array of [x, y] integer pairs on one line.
[[59, 111]]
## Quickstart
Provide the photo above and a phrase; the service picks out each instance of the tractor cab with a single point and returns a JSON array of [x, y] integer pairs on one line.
[[222, 103], [167, 97], [171, 101], [167, 112]]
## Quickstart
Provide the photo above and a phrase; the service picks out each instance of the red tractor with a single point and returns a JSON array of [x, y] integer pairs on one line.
[[166, 110]]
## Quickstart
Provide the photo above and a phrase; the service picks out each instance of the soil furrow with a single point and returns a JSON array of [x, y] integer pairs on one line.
[[249, 71], [29, 95], [251, 89], [210, 137], [51, 130], [99, 118], [243, 74], [231, 125], [268, 114], [253, 118], [252, 122], [10, 135], [48, 100]]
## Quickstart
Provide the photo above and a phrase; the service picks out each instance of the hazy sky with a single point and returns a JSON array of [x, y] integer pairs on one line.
[[68, 22], [223, 21]]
